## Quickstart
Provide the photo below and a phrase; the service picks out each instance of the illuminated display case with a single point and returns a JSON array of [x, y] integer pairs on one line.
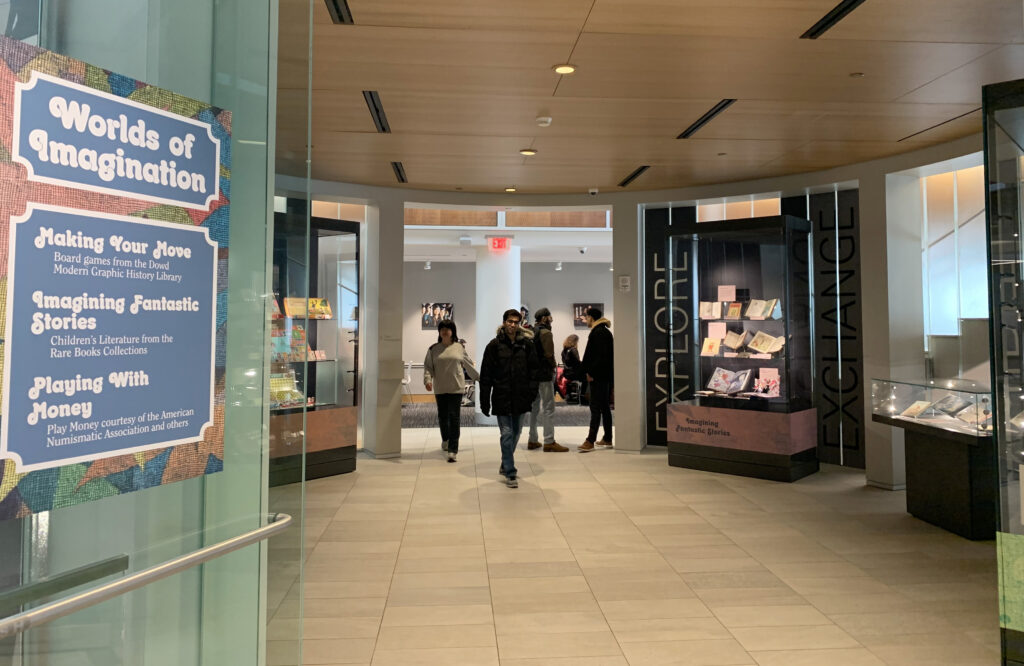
[[954, 405], [314, 347], [744, 286]]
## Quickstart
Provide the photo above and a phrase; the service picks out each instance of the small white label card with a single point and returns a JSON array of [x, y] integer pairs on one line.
[[727, 292], [716, 329]]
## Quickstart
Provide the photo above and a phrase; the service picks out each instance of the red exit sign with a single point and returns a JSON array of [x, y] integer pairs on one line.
[[499, 244]]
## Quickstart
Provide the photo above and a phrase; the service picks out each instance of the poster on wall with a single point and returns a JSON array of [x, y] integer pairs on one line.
[[579, 313], [432, 314], [114, 206]]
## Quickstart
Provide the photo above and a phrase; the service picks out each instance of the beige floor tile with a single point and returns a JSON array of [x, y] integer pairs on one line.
[[426, 637], [441, 565], [840, 657], [549, 623], [770, 616], [534, 570], [863, 603], [750, 596], [515, 588], [485, 656], [457, 596], [419, 616], [793, 638], [582, 602], [568, 661], [314, 628], [859, 625], [412, 581], [337, 651], [543, 646], [711, 565], [834, 586], [606, 589], [687, 653], [674, 629], [732, 579], [346, 590], [654, 609]]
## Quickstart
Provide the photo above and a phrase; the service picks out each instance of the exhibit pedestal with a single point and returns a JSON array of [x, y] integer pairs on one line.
[[328, 449], [763, 445], [950, 478]]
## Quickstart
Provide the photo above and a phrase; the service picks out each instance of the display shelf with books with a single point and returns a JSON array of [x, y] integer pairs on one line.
[[743, 294], [314, 347], [955, 405]]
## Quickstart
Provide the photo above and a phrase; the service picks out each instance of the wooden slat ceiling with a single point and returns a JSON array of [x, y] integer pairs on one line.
[[461, 82]]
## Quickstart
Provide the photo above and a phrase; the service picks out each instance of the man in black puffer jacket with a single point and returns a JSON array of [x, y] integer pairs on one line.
[[508, 386], [599, 364]]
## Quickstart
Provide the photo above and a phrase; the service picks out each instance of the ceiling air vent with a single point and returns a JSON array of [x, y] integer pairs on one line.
[[339, 11], [380, 119], [829, 20], [399, 172], [706, 118], [633, 176]]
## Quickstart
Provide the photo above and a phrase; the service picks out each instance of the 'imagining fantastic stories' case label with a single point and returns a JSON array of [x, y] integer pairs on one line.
[[109, 336]]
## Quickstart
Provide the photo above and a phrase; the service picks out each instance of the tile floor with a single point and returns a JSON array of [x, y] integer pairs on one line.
[[606, 559]]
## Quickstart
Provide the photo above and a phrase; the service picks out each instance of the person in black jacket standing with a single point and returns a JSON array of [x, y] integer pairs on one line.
[[599, 366], [508, 386]]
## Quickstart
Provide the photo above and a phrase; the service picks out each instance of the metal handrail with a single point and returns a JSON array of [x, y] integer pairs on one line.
[[21, 622]]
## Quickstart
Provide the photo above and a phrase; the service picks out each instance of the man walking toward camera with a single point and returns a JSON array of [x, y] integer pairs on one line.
[[508, 386], [599, 365], [544, 404]]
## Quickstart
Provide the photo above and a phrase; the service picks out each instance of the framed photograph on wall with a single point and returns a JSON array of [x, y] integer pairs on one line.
[[579, 310], [432, 314]]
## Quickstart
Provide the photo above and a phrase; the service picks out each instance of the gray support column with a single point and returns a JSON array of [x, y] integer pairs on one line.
[[498, 288], [630, 427], [884, 464], [381, 336]]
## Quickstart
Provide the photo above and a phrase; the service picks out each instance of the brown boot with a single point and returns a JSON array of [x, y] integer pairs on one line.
[[554, 446], [587, 445], [604, 443], [533, 445]]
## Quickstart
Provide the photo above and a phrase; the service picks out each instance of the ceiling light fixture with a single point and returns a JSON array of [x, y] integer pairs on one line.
[[828, 21], [706, 118], [856, 75], [543, 121], [426, 266], [380, 119], [510, 189], [529, 152], [399, 172], [339, 11], [564, 68], [558, 266], [633, 176], [611, 268]]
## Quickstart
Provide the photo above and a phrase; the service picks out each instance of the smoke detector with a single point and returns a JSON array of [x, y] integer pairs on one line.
[[543, 121]]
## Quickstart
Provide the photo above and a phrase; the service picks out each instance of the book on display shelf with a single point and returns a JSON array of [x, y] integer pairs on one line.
[[710, 310], [735, 311], [916, 409], [950, 405], [734, 340], [765, 343], [711, 347], [755, 308]]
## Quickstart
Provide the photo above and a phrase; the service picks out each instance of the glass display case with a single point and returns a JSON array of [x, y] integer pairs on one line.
[[1003, 120], [314, 347], [739, 334], [955, 405]]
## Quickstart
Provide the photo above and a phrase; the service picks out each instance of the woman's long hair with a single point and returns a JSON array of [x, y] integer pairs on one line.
[[450, 325], [571, 341]]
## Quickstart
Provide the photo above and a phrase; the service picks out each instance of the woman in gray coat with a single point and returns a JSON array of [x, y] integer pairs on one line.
[[444, 372]]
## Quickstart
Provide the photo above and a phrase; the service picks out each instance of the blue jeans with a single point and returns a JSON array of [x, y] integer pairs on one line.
[[510, 427]]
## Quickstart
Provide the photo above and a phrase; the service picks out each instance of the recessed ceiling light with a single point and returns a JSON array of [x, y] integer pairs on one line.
[[722, 154], [426, 266], [528, 151], [558, 267], [856, 75], [510, 189], [565, 69]]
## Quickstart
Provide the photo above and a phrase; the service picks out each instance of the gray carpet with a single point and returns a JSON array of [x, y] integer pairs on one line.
[[424, 415]]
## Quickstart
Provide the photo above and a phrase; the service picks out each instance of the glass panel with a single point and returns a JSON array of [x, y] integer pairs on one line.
[[216, 51], [973, 273], [939, 202]]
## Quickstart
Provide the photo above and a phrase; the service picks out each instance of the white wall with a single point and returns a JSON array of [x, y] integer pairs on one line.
[[447, 282], [544, 287]]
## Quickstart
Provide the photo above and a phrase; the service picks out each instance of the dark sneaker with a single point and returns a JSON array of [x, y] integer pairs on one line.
[[512, 482], [586, 446], [532, 445], [554, 446], [451, 457]]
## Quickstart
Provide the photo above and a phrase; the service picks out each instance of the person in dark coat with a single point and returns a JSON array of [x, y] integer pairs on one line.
[[508, 386], [599, 366]]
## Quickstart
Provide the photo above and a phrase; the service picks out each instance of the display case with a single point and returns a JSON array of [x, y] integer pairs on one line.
[[739, 335], [1003, 121], [314, 348], [953, 405]]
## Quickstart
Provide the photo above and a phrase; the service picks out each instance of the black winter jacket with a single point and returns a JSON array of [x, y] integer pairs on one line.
[[508, 372], [571, 361], [599, 357]]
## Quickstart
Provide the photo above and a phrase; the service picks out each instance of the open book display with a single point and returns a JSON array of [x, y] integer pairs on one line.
[[755, 309], [727, 382], [950, 410]]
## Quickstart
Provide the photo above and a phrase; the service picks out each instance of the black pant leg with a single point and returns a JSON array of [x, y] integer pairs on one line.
[[442, 414], [600, 409], [454, 418]]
